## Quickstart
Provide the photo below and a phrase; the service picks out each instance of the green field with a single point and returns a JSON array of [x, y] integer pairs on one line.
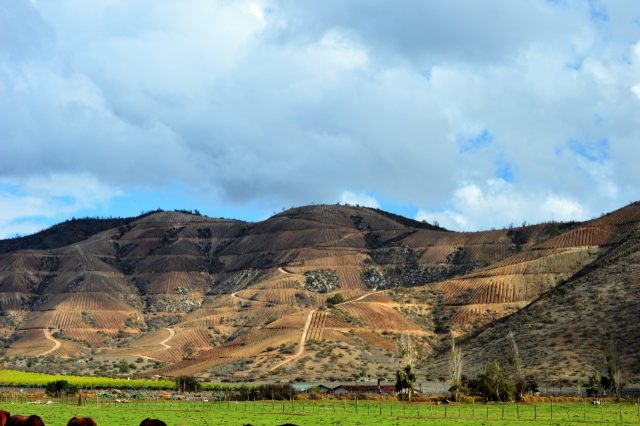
[[334, 412], [23, 378]]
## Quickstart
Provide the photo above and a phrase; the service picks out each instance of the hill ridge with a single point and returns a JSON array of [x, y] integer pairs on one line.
[[236, 296]]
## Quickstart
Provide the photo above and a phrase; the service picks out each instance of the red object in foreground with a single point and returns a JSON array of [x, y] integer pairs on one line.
[[82, 421], [4, 417], [25, 421], [152, 422]]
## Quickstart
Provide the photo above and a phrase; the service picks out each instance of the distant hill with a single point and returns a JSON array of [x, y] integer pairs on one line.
[[181, 293], [61, 235]]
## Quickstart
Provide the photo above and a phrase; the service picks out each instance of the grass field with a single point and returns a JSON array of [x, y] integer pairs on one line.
[[332, 412]]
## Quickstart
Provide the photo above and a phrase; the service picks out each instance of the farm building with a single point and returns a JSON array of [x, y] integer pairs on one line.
[[307, 387], [364, 389]]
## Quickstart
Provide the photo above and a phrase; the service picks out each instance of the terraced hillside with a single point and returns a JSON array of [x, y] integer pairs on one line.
[[314, 292]]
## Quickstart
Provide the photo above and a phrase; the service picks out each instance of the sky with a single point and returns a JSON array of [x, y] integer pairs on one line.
[[476, 114]]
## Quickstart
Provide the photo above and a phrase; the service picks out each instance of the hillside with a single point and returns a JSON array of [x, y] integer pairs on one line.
[[188, 294], [566, 334]]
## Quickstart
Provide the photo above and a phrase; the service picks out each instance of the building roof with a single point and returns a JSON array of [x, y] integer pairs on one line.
[[366, 388]]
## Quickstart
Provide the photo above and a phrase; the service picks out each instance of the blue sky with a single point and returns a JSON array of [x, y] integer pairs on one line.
[[475, 114]]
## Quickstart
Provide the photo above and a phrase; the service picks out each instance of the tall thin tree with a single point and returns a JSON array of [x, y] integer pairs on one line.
[[455, 366], [518, 373]]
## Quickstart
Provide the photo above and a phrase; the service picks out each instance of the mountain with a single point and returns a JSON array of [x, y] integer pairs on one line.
[[179, 293]]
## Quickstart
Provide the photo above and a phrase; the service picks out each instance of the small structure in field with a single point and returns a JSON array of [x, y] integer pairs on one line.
[[364, 389]]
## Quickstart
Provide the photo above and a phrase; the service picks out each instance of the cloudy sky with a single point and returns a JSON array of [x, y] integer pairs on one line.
[[474, 113]]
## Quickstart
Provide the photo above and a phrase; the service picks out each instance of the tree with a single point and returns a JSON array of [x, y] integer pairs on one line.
[[123, 366], [336, 299], [492, 384], [614, 380], [455, 365], [60, 388], [187, 384], [405, 382], [189, 350], [518, 374], [406, 350]]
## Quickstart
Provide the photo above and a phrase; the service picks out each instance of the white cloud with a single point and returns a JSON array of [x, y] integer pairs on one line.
[[279, 102], [497, 204], [57, 196], [561, 209], [359, 198], [257, 10]]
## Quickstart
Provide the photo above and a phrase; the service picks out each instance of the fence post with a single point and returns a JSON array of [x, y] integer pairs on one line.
[[584, 410], [502, 410], [601, 412], [620, 406], [551, 409], [535, 412]]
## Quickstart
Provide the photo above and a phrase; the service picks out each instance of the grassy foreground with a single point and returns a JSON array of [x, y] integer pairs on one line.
[[332, 412]]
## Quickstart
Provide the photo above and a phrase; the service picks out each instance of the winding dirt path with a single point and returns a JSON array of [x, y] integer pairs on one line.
[[284, 271], [242, 299], [300, 350], [56, 343], [361, 297], [171, 334]]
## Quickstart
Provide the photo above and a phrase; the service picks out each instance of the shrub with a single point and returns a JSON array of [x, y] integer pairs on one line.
[[335, 299], [60, 388]]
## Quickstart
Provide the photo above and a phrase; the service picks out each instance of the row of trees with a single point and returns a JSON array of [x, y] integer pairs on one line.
[[493, 384]]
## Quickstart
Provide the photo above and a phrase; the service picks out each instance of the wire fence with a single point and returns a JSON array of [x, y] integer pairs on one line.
[[607, 411]]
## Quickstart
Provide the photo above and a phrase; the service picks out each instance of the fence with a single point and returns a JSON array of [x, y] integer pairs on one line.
[[224, 405]]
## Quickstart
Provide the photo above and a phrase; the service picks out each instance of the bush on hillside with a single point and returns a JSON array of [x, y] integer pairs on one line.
[[335, 299]]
